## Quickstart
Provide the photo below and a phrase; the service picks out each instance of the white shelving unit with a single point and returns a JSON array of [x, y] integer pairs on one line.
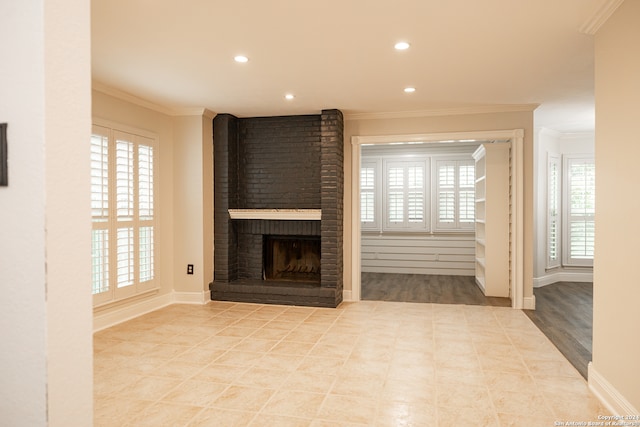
[[492, 218]]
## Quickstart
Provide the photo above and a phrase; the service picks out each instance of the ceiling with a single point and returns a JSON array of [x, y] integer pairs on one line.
[[465, 55]]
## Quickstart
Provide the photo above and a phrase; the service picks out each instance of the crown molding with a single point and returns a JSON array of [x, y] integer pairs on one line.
[[194, 112], [548, 131], [600, 16], [577, 135], [125, 96], [455, 111], [565, 135]]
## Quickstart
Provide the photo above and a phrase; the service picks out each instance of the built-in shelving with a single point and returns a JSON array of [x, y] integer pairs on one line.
[[492, 218]]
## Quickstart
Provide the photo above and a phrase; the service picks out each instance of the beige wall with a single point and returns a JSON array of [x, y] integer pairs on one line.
[[443, 124], [616, 301], [45, 247], [193, 202]]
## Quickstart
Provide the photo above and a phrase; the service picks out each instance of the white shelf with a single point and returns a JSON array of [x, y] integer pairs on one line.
[[492, 218], [276, 214]]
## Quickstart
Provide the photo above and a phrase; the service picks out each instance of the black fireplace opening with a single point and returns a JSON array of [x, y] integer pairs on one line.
[[291, 258]]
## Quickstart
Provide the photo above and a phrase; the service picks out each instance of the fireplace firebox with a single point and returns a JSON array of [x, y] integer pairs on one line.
[[291, 258]]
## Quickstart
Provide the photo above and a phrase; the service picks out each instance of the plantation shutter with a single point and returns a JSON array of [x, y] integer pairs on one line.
[[405, 190], [580, 226], [455, 189], [467, 194], [123, 171], [553, 212], [367, 194], [446, 194], [100, 211], [395, 195]]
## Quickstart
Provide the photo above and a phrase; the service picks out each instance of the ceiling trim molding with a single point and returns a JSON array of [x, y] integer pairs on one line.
[[196, 111], [456, 111], [125, 96], [600, 16]]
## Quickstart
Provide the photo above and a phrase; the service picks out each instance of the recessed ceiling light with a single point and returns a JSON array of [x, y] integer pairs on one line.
[[402, 46], [409, 89], [289, 96], [240, 58]]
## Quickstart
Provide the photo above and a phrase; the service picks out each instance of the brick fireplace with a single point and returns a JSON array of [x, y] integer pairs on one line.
[[278, 178]]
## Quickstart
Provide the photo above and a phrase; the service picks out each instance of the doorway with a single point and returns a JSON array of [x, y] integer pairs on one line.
[[515, 139]]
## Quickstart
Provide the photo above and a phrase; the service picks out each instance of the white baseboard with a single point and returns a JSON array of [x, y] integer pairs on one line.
[[562, 276], [106, 319], [347, 296], [529, 303], [608, 395], [119, 315], [192, 297]]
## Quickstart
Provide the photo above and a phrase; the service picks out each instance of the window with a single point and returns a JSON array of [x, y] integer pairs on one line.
[[553, 211], [455, 194], [369, 195], [579, 217], [123, 194], [405, 191]]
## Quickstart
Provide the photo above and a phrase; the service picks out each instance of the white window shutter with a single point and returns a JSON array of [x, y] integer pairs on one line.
[[580, 211], [123, 180], [466, 193], [405, 193], [455, 187], [553, 211]]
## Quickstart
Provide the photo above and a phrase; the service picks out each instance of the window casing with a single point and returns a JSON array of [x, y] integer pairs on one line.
[[124, 214]]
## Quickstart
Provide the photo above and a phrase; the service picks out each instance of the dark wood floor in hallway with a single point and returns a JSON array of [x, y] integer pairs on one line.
[[437, 289]]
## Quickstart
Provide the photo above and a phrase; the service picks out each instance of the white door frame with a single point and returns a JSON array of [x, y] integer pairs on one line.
[[516, 139]]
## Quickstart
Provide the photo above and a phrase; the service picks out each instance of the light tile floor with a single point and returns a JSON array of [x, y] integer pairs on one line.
[[362, 364]]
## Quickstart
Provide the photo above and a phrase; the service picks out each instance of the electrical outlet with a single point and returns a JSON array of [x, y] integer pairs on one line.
[[189, 268]]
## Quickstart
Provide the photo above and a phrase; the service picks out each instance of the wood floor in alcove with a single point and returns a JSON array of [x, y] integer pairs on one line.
[[438, 289]]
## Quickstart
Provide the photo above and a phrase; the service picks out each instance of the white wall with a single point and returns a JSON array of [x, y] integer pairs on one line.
[[549, 141], [45, 318], [616, 296]]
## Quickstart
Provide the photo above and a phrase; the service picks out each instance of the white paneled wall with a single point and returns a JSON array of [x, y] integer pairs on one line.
[[419, 254]]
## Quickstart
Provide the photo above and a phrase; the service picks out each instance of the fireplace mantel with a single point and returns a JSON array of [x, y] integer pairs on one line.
[[276, 214]]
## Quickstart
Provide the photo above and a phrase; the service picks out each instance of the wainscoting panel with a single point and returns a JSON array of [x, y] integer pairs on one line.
[[424, 254]]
